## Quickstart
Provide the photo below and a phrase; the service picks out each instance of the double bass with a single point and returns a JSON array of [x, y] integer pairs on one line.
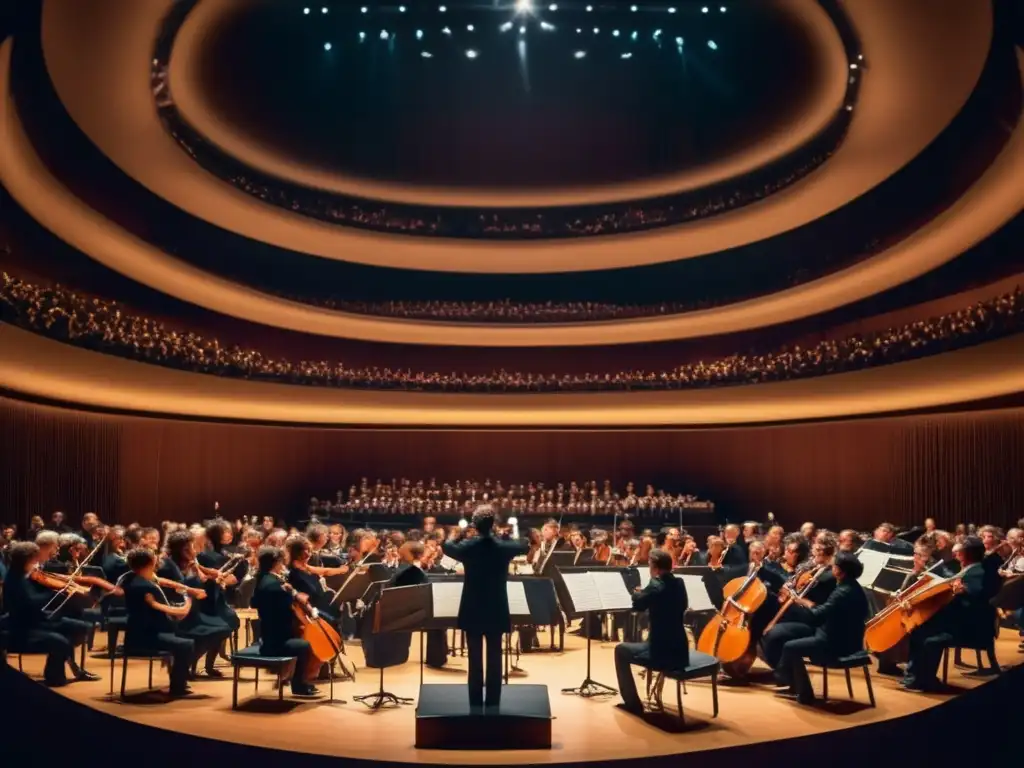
[[727, 636], [909, 609]]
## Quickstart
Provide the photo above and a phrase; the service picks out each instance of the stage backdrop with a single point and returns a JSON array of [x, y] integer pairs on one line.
[[960, 467]]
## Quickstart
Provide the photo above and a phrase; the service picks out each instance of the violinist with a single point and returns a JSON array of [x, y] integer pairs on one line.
[[795, 622], [218, 535], [49, 544], [32, 630], [849, 541], [151, 619], [113, 561], [207, 632], [713, 557], [272, 599], [90, 524], [602, 550], [968, 621], [305, 578], [838, 629], [688, 554]]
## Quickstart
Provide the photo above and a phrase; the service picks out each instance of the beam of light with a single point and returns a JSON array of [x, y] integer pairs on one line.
[[524, 6], [524, 69]]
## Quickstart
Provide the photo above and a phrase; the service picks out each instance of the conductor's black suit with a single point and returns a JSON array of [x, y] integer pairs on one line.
[[483, 611]]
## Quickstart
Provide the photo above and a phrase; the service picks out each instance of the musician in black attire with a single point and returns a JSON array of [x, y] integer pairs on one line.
[[796, 622], [968, 621], [272, 599], [32, 630], [409, 573], [207, 632], [736, 555], [218, 536], [483, 612], [667, 648], [838, 629], [151, 619]]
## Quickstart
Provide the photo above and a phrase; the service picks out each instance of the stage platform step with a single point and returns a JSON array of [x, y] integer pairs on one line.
[[444, 719]]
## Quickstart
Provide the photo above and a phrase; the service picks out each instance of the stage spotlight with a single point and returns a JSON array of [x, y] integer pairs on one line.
[[362, 36], [442, 9], [657, 34], [580, 54], [463, 523], [522, 30], [553, 7], [426, 54], [627, 55], [471, 54], [632, 8], [470, 27], [853, 66], [722, 9], [364, 9], [596, 30], [323, 10], [579, 31], [306, 11], [679, 42], [705, 9], [446, 31], [615, 33], [546, 26], [506, 26], [712, 45], [590, 8], [419, 34], [524, 6], [401, 9], [327, 46], [671, 10], [635, 35], [383, 34]]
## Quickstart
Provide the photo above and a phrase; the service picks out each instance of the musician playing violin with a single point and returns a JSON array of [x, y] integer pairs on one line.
[[32, 629], [306, 578], [797, 621], [838, 629], [218, 536], [272, 599], [968, 621]]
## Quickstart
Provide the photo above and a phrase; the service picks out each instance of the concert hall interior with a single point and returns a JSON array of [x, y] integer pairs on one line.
[[511, 382]]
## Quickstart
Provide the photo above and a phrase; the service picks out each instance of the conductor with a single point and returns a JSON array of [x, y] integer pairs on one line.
[[483, 612]]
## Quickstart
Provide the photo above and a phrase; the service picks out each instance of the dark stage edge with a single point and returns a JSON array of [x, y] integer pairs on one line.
[[943, 735], [445, 719]]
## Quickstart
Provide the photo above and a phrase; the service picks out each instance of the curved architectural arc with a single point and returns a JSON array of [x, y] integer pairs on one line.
[[993, 200], [98, 55], [193, 104]]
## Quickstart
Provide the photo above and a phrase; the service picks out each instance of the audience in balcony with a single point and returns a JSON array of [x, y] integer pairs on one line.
[[104, 326]]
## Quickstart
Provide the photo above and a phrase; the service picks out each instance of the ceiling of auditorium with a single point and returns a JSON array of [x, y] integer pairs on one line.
[[505, 98]]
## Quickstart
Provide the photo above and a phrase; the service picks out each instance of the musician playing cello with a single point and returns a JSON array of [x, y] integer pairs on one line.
[[838, 629], [272, 599], [968, 621]]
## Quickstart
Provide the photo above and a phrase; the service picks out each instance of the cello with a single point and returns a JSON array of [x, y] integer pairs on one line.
[[324, 641], [798, 586], [727, 636], [909, 609]]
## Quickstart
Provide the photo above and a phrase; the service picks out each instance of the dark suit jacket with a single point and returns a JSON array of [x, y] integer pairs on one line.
[[484, 606], [407, 575], [736, 554], [664, 599], [842, 618], [972, 617]]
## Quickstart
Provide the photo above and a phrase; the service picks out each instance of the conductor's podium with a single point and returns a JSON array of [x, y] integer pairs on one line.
[[445, 720]]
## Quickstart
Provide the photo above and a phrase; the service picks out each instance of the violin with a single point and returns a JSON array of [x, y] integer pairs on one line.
[[802, 582], [59, 582]]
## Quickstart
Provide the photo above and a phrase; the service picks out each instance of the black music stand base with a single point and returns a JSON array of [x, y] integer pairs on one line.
[[381, 699], [590, 687]]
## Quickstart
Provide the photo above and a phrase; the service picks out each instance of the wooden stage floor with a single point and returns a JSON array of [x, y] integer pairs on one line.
[[583, 730]]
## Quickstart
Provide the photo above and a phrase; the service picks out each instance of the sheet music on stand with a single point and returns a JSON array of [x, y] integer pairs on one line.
[[582, 592], [447, 596], [597, 591], [517, 602], [696, 592], [873, 561], [448, 563]]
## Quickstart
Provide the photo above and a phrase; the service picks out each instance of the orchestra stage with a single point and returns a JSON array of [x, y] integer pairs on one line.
[[752, 721]]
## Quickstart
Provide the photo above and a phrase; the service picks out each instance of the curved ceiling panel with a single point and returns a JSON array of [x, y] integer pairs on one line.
[[40, 368], [194, 102], [990, 203], [98, 54]]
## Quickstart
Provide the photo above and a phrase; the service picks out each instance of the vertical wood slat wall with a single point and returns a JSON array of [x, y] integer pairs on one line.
[[954, 467]]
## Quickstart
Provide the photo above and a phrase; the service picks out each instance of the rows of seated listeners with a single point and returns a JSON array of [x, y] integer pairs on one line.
[[104, 326], [210, 562], [429, 497]]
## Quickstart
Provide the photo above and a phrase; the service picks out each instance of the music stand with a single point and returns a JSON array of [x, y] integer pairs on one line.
[[591, 592], [400, 609]]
